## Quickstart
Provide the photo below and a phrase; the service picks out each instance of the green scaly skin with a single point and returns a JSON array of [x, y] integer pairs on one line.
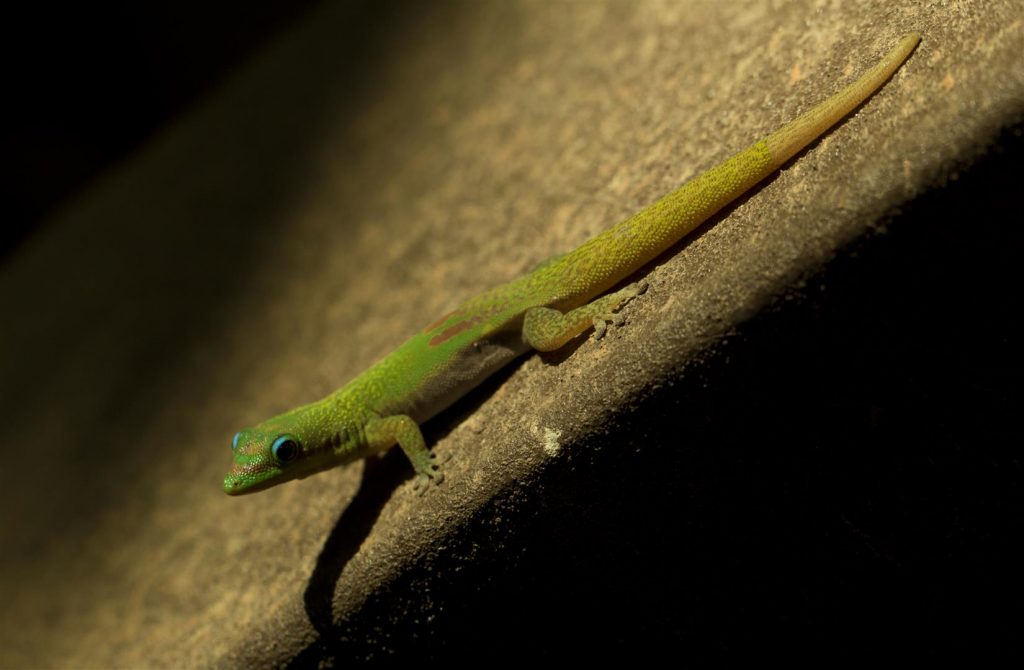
[[542, 310]]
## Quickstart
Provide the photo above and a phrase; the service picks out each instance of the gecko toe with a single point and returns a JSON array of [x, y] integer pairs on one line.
[[429, 473]]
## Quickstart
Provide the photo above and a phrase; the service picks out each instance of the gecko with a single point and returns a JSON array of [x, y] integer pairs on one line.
[[543, 310]]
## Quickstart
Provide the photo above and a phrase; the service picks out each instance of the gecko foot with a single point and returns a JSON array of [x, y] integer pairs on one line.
[[614, 317], [429, 472]]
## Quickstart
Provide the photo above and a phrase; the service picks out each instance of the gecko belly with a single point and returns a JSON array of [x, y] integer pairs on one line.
[[462, 372]]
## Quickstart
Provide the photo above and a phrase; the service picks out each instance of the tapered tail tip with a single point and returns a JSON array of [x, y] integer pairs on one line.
[[910, 40]]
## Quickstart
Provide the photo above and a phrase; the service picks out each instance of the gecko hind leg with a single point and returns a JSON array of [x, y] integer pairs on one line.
[[547, 329]]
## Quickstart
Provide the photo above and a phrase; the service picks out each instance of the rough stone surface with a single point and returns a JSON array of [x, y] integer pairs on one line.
[[338, 194]]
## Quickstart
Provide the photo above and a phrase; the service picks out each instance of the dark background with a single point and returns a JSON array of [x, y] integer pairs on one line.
[[903, 355], [86, 84]]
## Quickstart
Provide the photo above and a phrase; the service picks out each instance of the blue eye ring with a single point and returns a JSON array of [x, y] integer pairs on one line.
[[234, 440], [285, 448]]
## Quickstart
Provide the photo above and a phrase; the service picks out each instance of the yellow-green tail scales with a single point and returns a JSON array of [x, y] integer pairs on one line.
[[606, 259], [542, 310]]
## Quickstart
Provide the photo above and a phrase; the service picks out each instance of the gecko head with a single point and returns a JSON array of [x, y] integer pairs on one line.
[[275, 452]]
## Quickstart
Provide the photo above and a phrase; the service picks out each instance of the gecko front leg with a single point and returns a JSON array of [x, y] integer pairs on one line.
[[382, 433]]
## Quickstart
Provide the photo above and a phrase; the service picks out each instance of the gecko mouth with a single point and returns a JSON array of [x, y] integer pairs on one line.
[[241, 483], [234, 486], [258, 476]]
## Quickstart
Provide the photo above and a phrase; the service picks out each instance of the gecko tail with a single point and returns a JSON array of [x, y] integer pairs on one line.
[[801, 131], [613, 255]]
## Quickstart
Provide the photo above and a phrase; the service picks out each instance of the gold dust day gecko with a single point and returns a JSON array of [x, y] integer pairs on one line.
[[542, 310]]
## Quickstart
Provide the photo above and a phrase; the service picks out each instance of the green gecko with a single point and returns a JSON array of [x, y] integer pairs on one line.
[[542, 310]]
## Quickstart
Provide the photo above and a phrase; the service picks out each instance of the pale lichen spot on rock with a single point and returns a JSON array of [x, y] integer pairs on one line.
[[550, 443]]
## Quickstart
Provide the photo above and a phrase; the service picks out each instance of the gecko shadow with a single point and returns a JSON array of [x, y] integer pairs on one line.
[[382, 476]]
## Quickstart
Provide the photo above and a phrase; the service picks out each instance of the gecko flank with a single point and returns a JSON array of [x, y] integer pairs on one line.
[[542, 310]]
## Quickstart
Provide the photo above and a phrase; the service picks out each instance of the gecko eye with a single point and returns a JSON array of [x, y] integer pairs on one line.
[[234, 441], [285, 448]]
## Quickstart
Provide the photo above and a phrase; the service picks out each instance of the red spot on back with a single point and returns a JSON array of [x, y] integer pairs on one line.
[[437, 324], [449, 333]]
